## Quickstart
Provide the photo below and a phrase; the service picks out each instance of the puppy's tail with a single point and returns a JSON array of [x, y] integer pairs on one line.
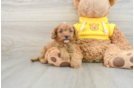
[[35, 59]]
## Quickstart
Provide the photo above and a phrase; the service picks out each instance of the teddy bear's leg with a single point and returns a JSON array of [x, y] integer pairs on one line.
[[117, 58], [54, 58], [76, 58]]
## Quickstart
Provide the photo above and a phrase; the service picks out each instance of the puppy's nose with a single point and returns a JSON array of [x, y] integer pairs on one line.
[[66, 36]]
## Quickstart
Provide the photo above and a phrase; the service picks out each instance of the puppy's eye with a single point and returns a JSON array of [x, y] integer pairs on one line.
[[60, 31], [70, 30]]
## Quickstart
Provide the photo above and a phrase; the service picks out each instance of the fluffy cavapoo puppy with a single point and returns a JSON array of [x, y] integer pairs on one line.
[[62, 51]]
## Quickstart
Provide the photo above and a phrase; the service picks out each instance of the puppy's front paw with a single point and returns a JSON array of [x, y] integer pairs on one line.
[[65, 56], [71, 50], [75, 64]]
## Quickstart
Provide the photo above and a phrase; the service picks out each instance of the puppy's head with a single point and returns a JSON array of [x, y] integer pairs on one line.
[[64, 33]]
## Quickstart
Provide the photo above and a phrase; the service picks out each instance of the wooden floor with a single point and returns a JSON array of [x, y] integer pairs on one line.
[[19, 72], [26, 28]]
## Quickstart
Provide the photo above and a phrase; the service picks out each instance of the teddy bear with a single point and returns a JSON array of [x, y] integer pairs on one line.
[[99, 40]]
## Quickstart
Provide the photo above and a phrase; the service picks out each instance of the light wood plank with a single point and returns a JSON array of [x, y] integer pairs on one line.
[[26, 74], [56, 10]]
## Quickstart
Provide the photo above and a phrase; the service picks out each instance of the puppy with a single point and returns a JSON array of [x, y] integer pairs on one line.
[[64, 36]]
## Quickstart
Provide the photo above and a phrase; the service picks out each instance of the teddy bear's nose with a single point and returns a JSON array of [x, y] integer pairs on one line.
[[66, 36]]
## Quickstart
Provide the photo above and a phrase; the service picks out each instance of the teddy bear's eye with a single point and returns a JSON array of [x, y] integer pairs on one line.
[[70, 30], [60, 31]]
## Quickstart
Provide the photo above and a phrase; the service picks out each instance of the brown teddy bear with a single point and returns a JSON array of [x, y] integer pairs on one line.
[[99, 40]]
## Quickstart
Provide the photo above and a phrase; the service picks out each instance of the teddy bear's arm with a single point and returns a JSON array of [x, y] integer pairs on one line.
[[119, 39]]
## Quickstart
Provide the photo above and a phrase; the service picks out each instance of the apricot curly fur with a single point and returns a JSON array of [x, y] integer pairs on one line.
[[93, 49], [67, 51], [119, 39]]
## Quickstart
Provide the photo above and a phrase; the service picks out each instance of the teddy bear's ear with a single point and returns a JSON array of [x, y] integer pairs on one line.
[[76, 3], [112, 2]]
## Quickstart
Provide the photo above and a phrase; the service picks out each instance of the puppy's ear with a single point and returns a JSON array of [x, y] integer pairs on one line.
[[75, 32], [54, 33], [76, 3], [112, 2]]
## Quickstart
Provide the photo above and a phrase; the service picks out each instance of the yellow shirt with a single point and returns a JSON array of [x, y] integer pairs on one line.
[[95, 28]]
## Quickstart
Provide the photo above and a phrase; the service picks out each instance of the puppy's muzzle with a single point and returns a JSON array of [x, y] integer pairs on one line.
[[66, 36]]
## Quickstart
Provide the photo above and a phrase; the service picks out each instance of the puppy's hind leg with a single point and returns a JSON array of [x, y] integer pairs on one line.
[[42, 56]]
